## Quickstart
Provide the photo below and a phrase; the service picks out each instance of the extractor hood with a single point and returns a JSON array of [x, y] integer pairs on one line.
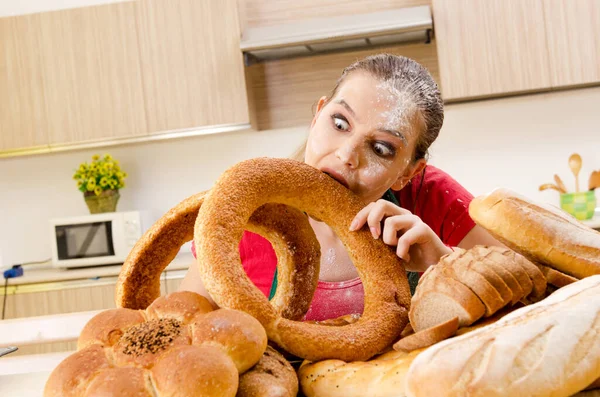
[[335, 33]]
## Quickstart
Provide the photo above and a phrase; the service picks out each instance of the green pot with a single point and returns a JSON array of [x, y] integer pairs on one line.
[[581, 205], [105, 202]]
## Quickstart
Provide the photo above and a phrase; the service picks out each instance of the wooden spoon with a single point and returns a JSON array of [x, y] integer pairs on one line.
[[550, 186], [594, 180], [560, 183], [575, 165]]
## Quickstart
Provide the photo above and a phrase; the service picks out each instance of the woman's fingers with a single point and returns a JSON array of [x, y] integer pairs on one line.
[[412, 236], [373, 214], [395, 224]]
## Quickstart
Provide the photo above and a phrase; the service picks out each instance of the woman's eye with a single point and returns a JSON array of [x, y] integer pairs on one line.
[[340, 122], [383, 150]]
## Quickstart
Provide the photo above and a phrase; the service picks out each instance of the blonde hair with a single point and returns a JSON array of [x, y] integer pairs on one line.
[[407, 76]]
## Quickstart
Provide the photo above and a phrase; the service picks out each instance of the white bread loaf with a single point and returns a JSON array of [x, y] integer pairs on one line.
[[541, 233], [551, 348]]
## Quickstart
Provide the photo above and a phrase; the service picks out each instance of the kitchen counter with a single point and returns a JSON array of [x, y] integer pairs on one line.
[[44, 290], [47, 273], [44, 278]]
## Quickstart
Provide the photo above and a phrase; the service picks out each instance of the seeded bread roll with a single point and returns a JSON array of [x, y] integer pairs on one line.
[[178, 346]]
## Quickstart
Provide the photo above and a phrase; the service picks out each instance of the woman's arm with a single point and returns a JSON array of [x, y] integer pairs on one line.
[[193, 282]]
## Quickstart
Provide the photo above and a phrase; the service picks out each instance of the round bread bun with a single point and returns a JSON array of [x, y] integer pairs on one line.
[[236, 333], [184, 306], [190, 371], [71, 376], [121, 382], [106, 328], [220, 224], [272, 376]]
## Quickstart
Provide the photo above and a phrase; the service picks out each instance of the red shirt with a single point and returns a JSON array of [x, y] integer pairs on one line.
[[436, 198]]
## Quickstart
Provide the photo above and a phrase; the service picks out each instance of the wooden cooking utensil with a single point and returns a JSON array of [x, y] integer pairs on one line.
[[575, 165], [594, 180], [560, 183], [551, 186]]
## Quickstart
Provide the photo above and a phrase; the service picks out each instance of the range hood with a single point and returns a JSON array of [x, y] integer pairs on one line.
[[319, 35]]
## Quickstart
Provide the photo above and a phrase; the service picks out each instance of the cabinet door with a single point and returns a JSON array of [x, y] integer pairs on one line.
[[573, 41], [490, 47], [91, 73], [192, 64], [22, 110]]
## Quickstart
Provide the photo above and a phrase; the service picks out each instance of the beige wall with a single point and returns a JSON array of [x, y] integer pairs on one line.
[[515, 142]]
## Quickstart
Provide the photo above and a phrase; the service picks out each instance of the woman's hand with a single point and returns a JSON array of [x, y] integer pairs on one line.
[[414, 240]]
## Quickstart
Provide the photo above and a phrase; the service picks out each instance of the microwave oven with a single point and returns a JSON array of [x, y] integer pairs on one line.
[[92, 240]]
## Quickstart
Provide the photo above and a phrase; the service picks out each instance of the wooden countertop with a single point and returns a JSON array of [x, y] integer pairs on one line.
[[48, 274]]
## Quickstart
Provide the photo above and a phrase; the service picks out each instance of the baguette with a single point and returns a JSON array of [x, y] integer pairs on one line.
[[550, 348], [539, 232]]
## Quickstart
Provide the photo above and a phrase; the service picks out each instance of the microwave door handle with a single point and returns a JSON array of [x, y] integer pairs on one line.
[[92, 231]]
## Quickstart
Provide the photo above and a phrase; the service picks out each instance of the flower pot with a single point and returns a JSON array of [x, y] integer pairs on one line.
[[105, 202], [581, 205]]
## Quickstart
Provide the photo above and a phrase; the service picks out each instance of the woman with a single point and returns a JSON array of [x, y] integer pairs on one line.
[[372, 135]]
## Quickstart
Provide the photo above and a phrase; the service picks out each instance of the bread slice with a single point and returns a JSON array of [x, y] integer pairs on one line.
[[556, 278], [534, 273], [493, 278], [460, 271], [439, 299], [495, 261], [512, 266], [428, 337]]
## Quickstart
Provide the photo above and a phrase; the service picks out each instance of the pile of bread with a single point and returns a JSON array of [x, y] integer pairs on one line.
[[518, 321], [525, 325]]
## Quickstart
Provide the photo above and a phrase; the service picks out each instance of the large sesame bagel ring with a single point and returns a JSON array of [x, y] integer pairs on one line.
[[296, 246], [220, 226]]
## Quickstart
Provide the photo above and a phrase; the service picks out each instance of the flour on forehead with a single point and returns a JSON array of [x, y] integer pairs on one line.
[[398, 92]]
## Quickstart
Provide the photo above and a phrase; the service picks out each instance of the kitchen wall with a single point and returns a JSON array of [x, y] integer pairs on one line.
[[517, 142]]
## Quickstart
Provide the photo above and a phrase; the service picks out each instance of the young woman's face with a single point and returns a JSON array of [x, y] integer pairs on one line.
[[365, 136]]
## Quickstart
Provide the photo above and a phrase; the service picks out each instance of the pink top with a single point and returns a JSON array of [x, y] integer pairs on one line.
[[439, 201]]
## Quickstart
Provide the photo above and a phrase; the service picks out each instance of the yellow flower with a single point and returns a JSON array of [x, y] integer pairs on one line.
[[104, 181], [91, 184], [120, 175], [82, 168], [79, 184], [98, 190], [95, 157], [112, 184], [108, 157]]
